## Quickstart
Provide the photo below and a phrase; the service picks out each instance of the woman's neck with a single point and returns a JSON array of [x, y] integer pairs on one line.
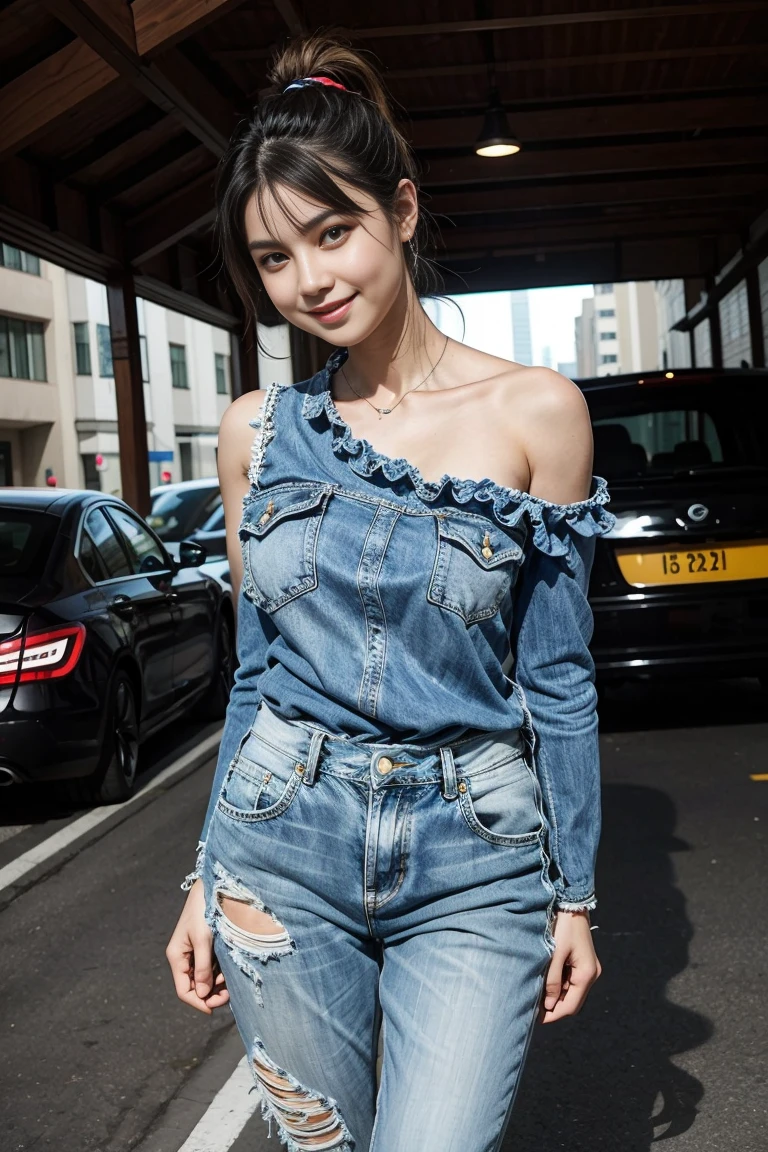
[[395, 357]]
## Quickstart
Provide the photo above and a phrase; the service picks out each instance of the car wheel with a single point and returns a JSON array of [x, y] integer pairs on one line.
[[216, 701], [116, 781]]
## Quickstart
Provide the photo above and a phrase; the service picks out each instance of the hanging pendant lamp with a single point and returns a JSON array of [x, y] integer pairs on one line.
[[496, 137]]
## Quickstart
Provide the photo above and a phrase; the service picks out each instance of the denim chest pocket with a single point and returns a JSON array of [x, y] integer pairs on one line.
[[475, 566], [278, 537], [260, 784]]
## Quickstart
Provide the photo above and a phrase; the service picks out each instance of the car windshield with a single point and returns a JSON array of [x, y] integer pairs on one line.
[[26, 539], [669, 431], [179, 511]]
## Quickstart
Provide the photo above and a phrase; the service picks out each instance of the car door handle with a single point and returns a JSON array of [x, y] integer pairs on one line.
[[122, 606]]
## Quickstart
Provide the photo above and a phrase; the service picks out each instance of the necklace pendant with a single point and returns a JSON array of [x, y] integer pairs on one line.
[[383, 412]]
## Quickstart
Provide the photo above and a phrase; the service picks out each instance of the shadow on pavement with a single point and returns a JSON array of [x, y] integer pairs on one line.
[[604, 1081]]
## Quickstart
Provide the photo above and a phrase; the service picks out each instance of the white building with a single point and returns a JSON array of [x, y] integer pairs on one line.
[[58, 411], [618, 330]]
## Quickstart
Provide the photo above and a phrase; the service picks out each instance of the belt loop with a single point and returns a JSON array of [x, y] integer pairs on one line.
[[315, 744], [450, 791]]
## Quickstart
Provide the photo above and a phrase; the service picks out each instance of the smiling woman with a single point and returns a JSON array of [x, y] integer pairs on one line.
[[400, 839]]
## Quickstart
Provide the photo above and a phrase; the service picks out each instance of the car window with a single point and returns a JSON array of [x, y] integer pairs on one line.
[[144, 551], [90, 558], [26, 540], [215, 521], [179, 511], [658, 433], [103, 537]]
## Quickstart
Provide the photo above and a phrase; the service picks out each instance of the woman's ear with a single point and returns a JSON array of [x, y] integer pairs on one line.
[[407, 209]]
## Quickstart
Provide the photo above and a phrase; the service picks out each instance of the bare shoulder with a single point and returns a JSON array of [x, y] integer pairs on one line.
[[236, 433], [548, 414]]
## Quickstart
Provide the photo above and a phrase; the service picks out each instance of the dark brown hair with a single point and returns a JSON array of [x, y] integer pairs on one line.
[[309, 138]]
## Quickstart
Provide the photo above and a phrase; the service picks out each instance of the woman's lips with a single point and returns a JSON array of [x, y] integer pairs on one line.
[[337, 313]]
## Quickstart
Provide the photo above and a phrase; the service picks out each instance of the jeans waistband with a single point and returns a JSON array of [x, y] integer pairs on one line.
[[319, 749]]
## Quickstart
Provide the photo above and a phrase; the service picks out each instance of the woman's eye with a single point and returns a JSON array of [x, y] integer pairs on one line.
[[335, 232], [332, 235]]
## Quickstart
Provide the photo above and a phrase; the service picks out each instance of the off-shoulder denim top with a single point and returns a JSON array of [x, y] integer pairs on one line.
[[389, 608]]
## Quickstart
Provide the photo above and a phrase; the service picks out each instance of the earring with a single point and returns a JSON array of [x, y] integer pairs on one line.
[[412, 247]]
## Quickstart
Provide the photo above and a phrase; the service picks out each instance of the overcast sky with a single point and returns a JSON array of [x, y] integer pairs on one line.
[[488, 318]]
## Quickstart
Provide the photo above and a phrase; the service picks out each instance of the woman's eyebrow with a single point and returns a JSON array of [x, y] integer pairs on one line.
[[304, 228]]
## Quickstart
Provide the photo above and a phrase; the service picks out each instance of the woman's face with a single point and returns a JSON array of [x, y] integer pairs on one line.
[[332, 274]]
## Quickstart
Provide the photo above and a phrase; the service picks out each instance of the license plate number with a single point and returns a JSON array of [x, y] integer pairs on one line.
[[737, 560]]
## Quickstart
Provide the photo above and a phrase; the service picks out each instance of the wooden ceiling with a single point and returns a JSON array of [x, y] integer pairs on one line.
[[643, 129]]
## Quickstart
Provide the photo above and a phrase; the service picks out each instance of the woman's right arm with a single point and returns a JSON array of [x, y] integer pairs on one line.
[[190, 949]]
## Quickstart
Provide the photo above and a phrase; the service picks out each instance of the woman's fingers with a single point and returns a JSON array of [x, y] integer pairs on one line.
[[554, 983], [190, 954], [572, 971]]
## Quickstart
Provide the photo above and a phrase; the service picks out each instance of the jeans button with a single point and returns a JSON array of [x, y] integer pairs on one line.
[[385, 765]]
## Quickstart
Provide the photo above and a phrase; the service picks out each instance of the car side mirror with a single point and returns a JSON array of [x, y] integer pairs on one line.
[[191, 554]]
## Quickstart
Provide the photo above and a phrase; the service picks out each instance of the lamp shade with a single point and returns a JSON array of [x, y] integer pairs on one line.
[[496, 137]]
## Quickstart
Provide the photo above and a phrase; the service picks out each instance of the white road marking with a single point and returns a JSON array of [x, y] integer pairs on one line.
[[23, 864], [227, 1115]]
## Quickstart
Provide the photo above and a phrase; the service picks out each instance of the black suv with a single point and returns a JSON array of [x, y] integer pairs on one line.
[[680, 587]]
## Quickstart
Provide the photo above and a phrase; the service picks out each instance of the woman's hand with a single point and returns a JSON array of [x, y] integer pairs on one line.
[[573, 969], [196, 974]]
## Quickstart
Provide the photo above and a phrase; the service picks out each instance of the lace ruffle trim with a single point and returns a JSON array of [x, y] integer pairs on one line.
[[551, 523], [264, 424]]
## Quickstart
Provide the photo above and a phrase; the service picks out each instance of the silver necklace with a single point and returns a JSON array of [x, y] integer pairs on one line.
[[386, 411]]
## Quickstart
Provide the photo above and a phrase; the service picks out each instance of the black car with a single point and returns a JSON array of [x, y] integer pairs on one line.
[[104, 639], [680, 586]]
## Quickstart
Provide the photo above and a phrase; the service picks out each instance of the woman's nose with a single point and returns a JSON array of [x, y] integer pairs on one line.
[[314, 276]]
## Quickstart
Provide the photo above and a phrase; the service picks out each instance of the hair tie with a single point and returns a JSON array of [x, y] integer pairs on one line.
[[305, 80]]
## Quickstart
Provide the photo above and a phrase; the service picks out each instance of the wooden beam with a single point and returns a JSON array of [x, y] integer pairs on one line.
[[176, 85], [599, 193], [34, 100], [174, 217], [560, 19], [600, 263], [558, 236], [161, 23], [107, 141], [566, 163], [291, 16], [577, 60], [129, 391], [617, 120]]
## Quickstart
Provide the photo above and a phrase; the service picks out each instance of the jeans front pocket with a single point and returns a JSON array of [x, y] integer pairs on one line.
[[261, 782], [500, 803], [278, 537], [476, 565]]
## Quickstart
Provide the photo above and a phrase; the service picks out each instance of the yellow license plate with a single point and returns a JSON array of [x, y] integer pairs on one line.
[[737, 560]]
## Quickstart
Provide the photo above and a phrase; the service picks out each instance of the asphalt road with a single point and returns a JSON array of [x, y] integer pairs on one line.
[[97, 1054]]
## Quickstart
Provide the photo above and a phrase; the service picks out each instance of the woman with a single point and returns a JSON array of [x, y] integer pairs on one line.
[[400, 834]]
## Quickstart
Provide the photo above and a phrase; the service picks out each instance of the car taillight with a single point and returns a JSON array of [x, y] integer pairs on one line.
[[44, 655]]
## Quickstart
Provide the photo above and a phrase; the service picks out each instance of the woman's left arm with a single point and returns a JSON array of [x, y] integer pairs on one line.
[[552, 628]]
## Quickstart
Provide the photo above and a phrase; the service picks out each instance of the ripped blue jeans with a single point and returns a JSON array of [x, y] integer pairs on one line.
[[357, 886]]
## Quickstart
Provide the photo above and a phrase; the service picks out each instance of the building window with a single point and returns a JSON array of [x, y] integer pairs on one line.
[[104, 340], [606, 312], [185, 459], [607, 335], [82, 350], [22, 349], [144, 359], [178, 366], [11, 257], [222, 375], [610, 359], [603, 289]]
